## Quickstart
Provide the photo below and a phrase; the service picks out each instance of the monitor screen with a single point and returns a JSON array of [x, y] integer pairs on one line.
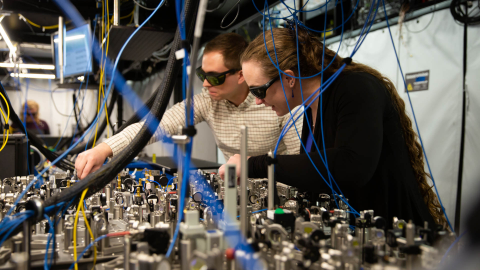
[[78, 52]]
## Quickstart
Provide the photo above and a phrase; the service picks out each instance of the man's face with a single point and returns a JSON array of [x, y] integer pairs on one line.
[[213, 62]]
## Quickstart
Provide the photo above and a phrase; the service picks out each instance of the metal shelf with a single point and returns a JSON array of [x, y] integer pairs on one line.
[[318, 12]]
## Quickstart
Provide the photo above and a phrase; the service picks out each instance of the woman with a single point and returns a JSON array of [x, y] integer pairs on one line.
[[372, 151], [33, 122]]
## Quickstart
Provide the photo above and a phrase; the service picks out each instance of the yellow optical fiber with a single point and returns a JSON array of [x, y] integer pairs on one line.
[[131, 19], [102, 73], [37, 25], [48, 27], [124, 17], [8, 109], [91, 235], [80, 204], [5, 140], [106, 54]]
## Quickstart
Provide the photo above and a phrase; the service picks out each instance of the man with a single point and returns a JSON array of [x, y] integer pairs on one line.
[[225, 104]]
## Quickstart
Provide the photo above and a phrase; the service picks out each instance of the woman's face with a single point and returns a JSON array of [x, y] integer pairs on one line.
[[275, 97], [31, 114]]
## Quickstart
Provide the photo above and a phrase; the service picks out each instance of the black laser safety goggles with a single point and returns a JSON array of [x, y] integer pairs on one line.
[[214, 78], [261, 91]]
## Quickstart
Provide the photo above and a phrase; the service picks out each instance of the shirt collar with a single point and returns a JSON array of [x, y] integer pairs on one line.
[[245, 104]]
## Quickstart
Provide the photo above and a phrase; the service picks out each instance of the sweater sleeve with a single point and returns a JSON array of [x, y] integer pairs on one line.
[[172, 118], [358, 103]]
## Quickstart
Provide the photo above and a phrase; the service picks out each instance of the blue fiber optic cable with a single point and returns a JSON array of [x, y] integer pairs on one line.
[[302, 98], [415, 119], [299, 77], [86, 85], [76, 16]]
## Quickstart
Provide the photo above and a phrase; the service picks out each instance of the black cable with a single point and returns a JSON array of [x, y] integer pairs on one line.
[[1, 124], [146, 8], [54, 105], [29, 26], [39, 6], [460, 16], [428, 24], [79, 124], [96, 181], [80, 132], [473, 9], [462, 138], [34, 140], [119, 111], [111, 123], [234, 19], [81, 146], [137, 116], [220, 5]]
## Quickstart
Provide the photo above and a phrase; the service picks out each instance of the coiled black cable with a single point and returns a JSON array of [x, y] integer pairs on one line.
[[138, 115], [34, 140], [461, 16], [81, 146], [81, 131], [96, 181]]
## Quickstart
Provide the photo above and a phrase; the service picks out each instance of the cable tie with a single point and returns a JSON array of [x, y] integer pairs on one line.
[[190, 131], [347, 60], [180, 54], [271, 161], [6, 126]]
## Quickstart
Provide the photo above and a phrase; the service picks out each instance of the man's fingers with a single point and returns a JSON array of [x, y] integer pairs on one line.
[[87, 169], [80, 165], [221, 172]]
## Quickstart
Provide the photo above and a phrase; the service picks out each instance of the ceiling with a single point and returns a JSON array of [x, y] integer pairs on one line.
[[45, 13]]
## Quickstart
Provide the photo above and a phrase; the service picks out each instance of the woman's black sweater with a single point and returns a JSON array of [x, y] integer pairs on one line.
[[365, 149]]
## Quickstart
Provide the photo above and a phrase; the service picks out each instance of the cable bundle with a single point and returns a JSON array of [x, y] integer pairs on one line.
[[10, 224], [37, 142], [6, 118], [463, 16], [97, 180]]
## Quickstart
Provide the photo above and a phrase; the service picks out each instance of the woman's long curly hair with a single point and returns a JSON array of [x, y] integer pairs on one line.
[[310, 61]]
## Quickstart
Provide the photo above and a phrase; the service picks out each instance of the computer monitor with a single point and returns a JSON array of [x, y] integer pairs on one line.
[[78, 52]]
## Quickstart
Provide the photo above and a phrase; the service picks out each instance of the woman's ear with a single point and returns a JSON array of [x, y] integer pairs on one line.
[[289, 79]]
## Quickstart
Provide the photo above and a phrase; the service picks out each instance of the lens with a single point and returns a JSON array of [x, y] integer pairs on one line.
[[221, 79], [213, 80], [200, 74], [201, 77], [258, 93]]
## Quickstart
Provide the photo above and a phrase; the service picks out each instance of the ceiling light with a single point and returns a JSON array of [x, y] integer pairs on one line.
[[70, 38], [28, 66], [33, 75], [7, 40]]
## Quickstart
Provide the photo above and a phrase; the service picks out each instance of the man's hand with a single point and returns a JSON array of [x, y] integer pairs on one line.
[[91, 160], [235, 159]]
